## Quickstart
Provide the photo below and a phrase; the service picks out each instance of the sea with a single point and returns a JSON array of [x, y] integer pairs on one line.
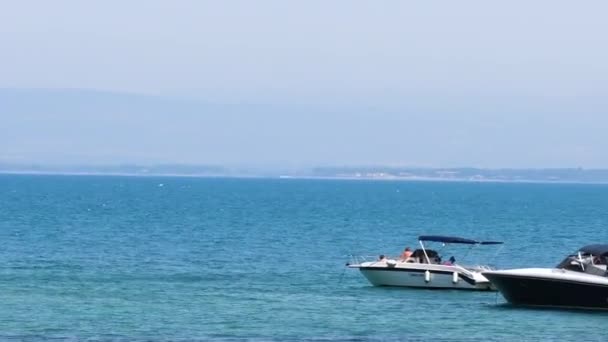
[[112, 258]]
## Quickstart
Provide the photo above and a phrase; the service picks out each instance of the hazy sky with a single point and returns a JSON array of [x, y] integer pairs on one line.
[[429, 83]]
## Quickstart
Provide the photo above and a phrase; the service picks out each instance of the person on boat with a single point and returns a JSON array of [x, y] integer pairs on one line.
[[381, 257], [406, 253], [452, 261], [598, 261]]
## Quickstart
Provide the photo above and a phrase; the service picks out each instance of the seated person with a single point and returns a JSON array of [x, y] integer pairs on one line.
[[599, 261], [406, 253], [382, 257]]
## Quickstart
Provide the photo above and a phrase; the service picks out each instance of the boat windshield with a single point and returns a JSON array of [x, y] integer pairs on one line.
[[585, 263], [418, 256]]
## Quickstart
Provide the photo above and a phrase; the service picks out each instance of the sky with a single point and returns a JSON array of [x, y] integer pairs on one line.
[[403, 83]]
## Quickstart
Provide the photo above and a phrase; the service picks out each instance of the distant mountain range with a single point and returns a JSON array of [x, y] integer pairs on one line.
[[573, 175]]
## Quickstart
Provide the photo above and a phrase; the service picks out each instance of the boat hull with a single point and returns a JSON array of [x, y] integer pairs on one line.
[[549, 291], [435, 279]]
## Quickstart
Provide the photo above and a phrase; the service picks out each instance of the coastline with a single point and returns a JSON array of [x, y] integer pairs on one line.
[[297, 177]]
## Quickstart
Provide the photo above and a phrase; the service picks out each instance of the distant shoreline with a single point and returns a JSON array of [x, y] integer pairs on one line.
[[296, 177]]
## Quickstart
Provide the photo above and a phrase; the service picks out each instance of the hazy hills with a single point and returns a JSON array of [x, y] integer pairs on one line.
[[353, 173], [95, 132]]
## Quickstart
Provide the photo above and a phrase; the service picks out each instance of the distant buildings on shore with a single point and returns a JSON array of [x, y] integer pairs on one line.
[[469, 174], [574, 175]]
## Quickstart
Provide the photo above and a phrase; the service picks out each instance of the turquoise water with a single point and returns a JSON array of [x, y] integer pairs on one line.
[[121, 258]]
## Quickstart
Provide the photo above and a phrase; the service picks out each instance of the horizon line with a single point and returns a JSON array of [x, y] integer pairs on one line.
[[301, 177]]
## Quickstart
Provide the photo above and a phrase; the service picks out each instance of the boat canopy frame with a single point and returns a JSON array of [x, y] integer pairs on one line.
[[455, 239], [452, 239], [596, 250]]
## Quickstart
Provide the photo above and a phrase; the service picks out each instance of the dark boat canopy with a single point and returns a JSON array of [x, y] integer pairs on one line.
[[597, 250], [454, 239]]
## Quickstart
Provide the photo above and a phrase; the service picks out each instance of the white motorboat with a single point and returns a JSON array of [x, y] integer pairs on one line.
[[424, 268], [580, 281]]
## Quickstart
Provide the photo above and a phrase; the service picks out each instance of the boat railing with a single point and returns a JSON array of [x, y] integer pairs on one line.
[[480, 268], [359, 259]]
